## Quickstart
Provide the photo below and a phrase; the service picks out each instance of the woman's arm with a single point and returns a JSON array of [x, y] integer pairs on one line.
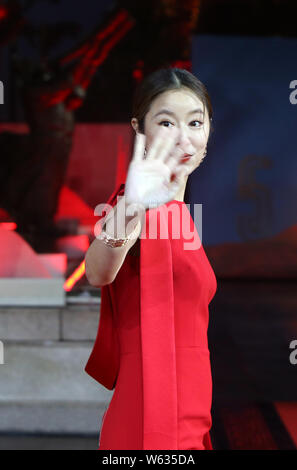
[[103, 262]]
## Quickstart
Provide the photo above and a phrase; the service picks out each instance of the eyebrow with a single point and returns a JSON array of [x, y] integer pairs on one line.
[[170, 113]]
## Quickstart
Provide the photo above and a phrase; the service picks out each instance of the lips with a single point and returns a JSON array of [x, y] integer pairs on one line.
[[186, 157]]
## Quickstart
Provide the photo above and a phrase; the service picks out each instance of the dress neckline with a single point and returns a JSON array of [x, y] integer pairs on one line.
[[176, 200]]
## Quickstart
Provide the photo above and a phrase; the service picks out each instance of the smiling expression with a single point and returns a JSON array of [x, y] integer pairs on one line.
[[180, 111]]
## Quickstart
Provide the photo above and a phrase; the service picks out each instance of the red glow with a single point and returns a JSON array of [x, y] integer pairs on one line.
[[3, 13], [80, 75], [74, 277], [182, 64], [122, 160], [121, 16], [8, 225], [93, 53], [138, 75]]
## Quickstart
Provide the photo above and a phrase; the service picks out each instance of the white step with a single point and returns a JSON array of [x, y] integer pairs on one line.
[[44, 388]]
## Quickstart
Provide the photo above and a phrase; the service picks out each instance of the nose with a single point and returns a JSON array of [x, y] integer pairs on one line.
[[183, 140]]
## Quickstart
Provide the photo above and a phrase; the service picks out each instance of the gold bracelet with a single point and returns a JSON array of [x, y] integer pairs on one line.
[[116, 242]]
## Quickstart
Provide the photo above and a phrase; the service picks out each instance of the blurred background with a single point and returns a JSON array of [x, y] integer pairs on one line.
[[68, 73]]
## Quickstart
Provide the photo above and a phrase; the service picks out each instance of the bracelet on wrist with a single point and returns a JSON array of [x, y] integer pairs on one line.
[[116, 242]]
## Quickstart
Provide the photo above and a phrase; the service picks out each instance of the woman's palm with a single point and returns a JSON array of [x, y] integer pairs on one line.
[[149, 181]]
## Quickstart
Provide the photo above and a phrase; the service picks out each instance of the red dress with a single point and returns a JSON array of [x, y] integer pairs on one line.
[[159, 364]]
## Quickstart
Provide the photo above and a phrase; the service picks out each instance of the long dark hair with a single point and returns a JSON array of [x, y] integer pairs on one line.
[[163, 80]]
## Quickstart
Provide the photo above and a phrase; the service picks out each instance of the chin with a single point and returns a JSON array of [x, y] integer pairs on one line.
[[194, 167]]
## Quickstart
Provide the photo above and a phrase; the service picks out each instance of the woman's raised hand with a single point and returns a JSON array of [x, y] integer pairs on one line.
[[155, 177]]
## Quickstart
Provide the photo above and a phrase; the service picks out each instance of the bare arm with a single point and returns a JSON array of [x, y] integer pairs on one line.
[[103, 262], [148, 180]]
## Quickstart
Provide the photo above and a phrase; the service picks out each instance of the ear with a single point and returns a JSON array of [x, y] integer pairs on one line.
[[134, 124]]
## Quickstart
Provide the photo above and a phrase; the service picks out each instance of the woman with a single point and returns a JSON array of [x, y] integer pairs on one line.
[[152, 344]]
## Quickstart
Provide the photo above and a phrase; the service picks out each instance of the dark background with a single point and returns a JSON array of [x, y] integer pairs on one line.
[[54, 27]]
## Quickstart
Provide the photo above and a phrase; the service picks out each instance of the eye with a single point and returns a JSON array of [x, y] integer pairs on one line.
[[196, 121], [162, 122]]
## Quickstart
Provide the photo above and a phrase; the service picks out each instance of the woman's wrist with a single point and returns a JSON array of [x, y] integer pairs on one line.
[[122, 225], [114, 242]]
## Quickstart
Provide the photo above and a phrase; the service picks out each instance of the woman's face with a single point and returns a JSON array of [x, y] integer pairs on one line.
[[180, 111]]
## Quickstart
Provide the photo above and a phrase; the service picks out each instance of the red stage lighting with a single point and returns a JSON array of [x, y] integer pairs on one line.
[[3, 13]]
